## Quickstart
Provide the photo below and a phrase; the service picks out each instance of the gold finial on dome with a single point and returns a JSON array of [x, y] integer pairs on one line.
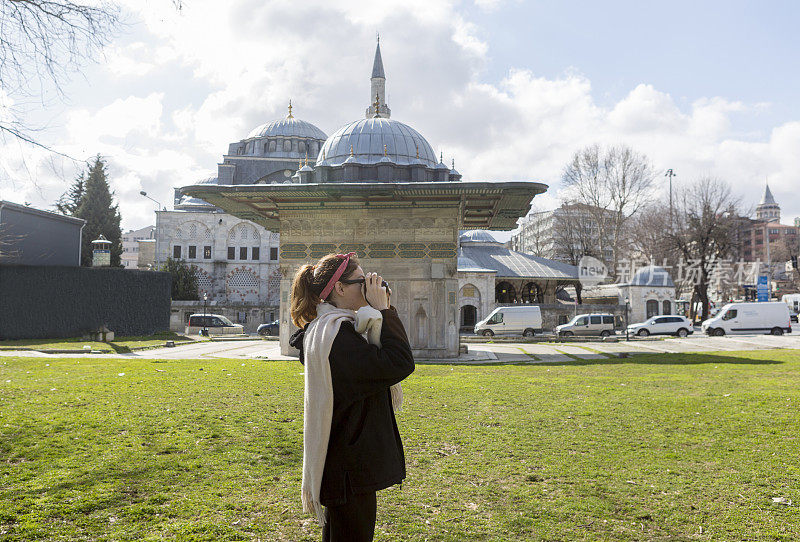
[[289, 116], [306, 157], [351, 150], [377, 105], [384, 149], [417, 146]]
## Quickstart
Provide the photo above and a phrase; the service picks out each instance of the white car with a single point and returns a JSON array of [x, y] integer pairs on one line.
[[663, 325]]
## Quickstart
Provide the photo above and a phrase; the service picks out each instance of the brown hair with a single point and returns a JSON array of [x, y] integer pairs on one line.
[[308, 283]]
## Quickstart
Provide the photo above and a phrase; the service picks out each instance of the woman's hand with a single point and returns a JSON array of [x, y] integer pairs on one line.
[[375, 294]]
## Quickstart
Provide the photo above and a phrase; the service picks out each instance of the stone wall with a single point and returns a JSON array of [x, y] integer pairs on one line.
[[254, 316], [413, 249], [44, 302]]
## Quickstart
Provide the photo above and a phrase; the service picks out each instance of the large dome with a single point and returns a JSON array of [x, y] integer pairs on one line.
[[367, 138], [287, 127]]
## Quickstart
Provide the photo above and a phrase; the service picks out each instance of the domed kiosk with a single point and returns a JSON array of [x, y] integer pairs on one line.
[[376, 188]]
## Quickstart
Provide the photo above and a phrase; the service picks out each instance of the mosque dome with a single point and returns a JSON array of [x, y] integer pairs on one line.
[[287, 127], [373, 139]]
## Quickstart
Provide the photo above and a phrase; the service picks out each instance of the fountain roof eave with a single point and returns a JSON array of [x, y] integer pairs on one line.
[[483, 205]]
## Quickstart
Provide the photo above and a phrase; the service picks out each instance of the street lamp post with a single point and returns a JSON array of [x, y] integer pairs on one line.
[[670, 174], [627, 336], [143, 193], [205, 314]]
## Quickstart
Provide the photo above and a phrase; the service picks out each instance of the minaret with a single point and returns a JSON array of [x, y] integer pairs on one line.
[[768, 209], [378, 86]]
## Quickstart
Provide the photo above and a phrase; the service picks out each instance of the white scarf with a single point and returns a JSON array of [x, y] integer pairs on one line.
[[318, 394]]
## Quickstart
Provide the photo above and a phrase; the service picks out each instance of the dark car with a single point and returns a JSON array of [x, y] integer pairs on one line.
[[272, 328]]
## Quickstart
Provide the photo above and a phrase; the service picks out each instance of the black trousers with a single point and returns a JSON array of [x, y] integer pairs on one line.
[[353, 521]]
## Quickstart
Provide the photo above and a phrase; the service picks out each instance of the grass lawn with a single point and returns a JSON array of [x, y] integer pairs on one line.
[[120, 345], [661, 447]]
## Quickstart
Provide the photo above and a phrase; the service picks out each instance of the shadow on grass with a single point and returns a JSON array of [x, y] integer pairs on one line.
[[636, 359]]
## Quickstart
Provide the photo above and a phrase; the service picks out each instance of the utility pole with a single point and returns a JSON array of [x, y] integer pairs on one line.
[[670, 174]]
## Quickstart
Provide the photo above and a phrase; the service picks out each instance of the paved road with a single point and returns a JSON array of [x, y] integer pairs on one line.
[[478, 352]]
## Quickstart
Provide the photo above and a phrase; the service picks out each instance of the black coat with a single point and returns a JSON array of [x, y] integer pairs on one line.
[[365, 452]]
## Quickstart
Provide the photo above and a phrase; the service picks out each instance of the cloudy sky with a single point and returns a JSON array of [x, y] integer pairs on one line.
[[510, 90]]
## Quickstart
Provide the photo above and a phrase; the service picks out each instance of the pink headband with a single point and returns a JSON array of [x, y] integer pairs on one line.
[[336, 276]]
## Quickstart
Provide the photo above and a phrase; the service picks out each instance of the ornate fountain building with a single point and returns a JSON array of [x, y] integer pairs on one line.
[[376, 188]]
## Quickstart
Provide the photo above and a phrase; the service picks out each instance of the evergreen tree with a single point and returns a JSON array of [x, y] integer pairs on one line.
[[97, 208], [70, 201], [184, 280]]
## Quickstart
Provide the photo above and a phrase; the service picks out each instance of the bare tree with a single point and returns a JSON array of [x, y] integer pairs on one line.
[[574, 236], [614, 183], [706, 219], [42, 42]]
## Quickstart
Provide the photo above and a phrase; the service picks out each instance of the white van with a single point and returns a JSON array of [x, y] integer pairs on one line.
[[766, 317], [525, 321]]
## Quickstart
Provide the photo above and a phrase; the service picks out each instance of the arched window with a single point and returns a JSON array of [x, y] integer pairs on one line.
[[272, 145], [652, 308], [666, 307], [504, 292], [287, 145], [531, 293], [301, 147]]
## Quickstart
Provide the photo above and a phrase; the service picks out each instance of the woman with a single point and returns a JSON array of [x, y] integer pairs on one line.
[[351, 445]]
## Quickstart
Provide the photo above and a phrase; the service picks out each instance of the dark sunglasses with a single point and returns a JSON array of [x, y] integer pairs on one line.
[[362, 280]]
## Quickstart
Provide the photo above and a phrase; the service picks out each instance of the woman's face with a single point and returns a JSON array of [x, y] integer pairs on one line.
[[349, 296]]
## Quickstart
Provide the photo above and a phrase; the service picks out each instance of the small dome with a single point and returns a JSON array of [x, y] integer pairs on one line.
[[476, 236], [367, 138], [652, 276], [288, 127]]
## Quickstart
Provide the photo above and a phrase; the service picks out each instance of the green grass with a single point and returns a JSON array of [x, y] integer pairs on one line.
[[654, 447], [120, 345]]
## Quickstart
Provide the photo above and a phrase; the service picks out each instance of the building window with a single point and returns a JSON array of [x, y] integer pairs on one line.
[[287, 145], [256, 253], [273, 253], [176, 252], [207, 252], [231, 253], [241, 317], [192, 252], [242, 253]]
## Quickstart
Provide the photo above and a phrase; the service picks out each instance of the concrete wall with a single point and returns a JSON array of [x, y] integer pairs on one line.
[[42, 302], [33, 237]]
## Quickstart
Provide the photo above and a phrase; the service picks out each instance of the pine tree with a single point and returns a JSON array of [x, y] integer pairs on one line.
[[97, 208], [70, 201]]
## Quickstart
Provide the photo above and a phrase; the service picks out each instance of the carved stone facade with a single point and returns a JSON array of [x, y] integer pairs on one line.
[[414, 250], [237, 263]]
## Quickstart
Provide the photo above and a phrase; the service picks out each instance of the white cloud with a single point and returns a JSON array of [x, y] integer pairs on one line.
[[254, 56]]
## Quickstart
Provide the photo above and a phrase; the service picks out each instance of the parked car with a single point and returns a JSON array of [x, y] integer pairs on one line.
[[765, 317], [587, 324], [663, 325], [525, 321], [271, 328], [216, 324]]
